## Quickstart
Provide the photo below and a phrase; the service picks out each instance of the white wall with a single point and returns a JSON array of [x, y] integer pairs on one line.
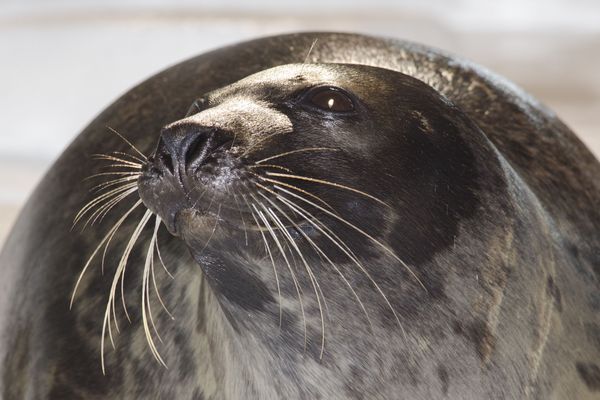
[[61, 62]]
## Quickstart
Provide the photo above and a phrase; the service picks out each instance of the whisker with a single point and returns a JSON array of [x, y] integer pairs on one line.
[[200, 198], [287, 153], [98, 199], [292, 274], [117, 173], [315, 284], [320, 251], [241, 216], [106, 249], [112, 182], [121, 165], [312, 219], [123, 302], [128, 142], [233, 141], [145, 289], [312, 46], [106, 238], [120, 266], [121, 161], [158, 221], [191, 109], [273, 264], [161, 260], [213, 231], [383, 246], [271, 166], [158, 296], [259, 227], [107, 206], [292, 256], [324, 182], [146, 306], [343, 247], [102, 211], [141, 161], [314, 196]]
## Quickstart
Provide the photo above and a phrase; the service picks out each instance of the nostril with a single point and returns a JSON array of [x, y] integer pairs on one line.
[[197, 149], [163, 159], [167, 161], [186, 146]]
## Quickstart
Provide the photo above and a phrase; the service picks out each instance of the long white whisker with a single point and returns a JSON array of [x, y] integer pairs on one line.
[[106, 247], [213, 231], [287, 153], [158, 221], [145, 284], [134, 157], [324, 182], [341, 245], [200, 196], [380, 244], [293, 275], [146, 300], [106, 238], [315, 284], [306, 192], [108, 157], [102, 211], [339, 240], [241, 216], [161, 260], [320, 251], [128, 142], [116, 173], [112, 182], [273, 264], [100, 198], [275, 166], [122, 165], [122, 266], [117, 276]]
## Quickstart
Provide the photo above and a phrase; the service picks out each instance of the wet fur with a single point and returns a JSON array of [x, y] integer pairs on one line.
[[504, 239]]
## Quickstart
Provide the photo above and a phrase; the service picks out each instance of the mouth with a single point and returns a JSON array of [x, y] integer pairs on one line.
[[234, 207], [190, 219], [208, 191]]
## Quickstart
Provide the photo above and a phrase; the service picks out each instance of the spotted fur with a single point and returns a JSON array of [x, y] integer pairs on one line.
[[492, 211]]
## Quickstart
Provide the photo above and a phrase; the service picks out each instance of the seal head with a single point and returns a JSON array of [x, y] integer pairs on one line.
[[329, 164]]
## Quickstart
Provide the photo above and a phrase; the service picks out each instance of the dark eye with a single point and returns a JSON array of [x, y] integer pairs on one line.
[[331, 99]]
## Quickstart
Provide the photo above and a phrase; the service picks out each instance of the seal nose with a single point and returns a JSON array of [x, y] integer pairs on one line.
[[185, 147]]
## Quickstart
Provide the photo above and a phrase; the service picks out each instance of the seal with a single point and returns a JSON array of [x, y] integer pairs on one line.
[[381, 221]]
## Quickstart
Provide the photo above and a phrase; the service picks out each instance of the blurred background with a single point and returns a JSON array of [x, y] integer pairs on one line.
[[62, 62]]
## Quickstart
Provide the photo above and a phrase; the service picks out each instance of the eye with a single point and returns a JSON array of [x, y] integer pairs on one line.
[[331, 99]]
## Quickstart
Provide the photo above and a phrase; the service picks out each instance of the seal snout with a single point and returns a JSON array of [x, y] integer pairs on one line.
[[185, 147], [192, 166]]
